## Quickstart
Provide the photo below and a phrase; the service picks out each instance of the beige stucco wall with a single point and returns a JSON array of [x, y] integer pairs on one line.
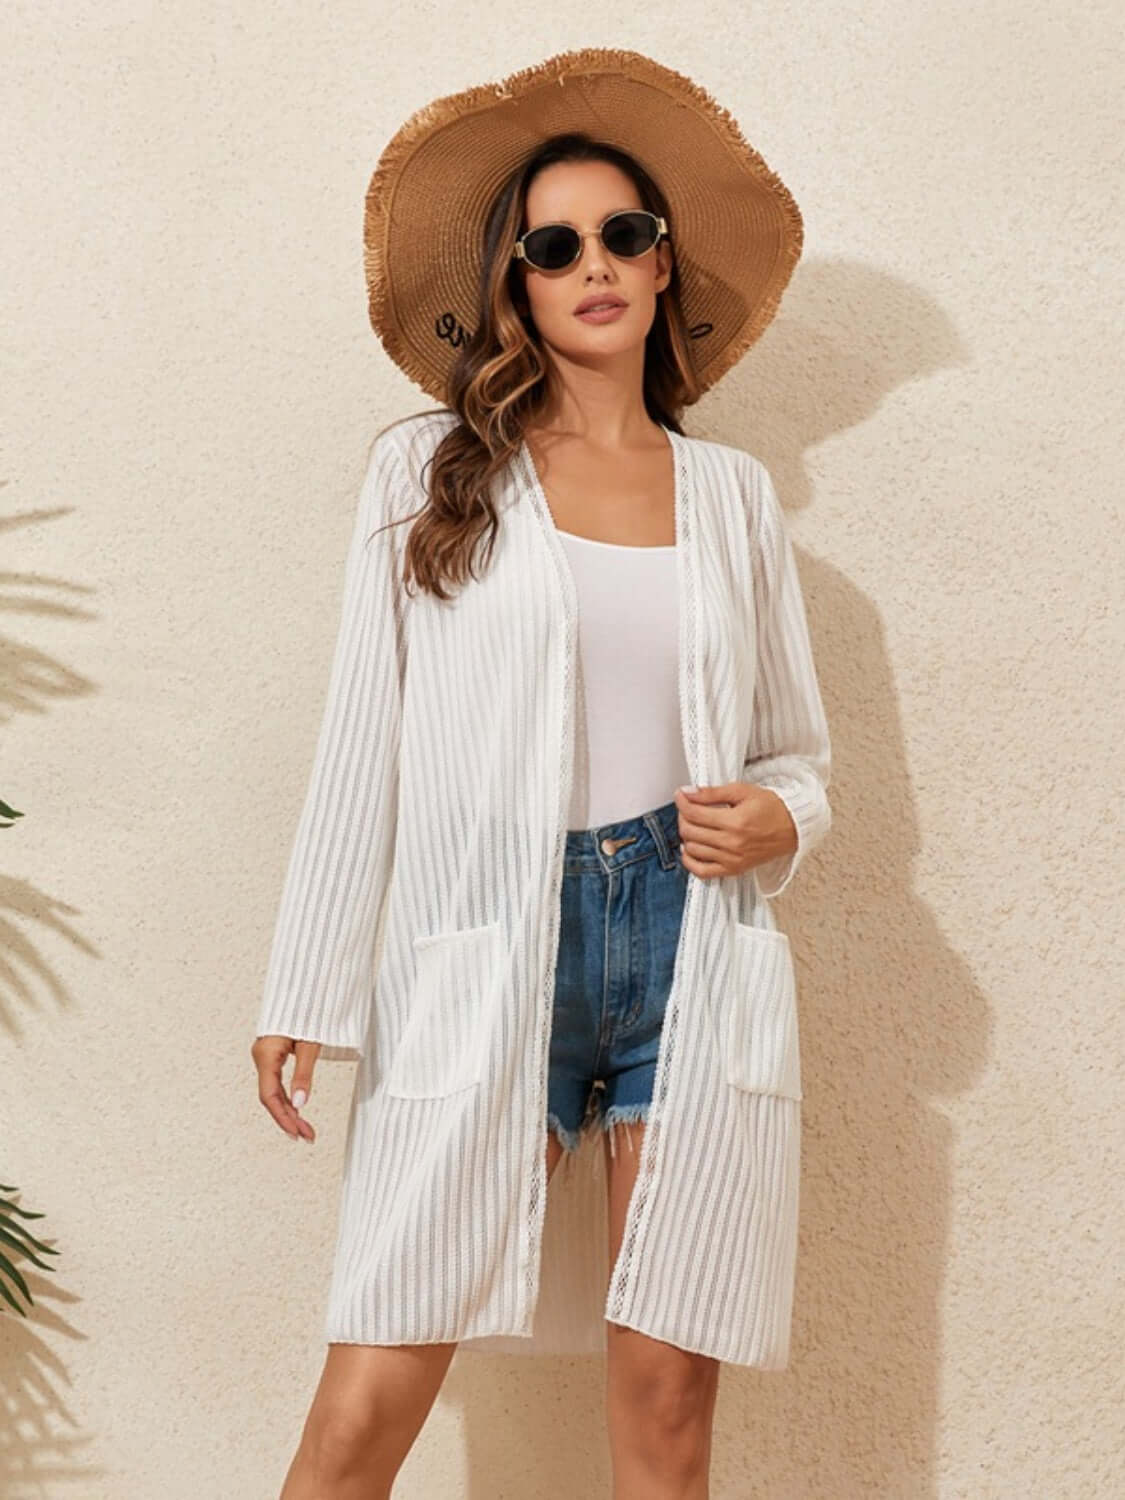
[[190, 389]]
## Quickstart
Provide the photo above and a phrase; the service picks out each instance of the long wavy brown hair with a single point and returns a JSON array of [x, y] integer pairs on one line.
[[498, 385]]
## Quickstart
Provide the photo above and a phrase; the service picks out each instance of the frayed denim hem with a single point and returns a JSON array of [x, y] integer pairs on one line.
[[622, 1114], [568, 1139], [603, 1121]]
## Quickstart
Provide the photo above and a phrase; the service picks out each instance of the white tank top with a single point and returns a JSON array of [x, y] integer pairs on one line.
[[628, 747]]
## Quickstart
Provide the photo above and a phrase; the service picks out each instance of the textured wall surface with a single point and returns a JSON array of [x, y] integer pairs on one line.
[[190, 389]]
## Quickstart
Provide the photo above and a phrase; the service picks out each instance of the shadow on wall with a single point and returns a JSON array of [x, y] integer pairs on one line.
[[42, 1438]]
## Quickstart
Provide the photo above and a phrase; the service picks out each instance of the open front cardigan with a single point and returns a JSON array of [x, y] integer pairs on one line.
[[419, 922]]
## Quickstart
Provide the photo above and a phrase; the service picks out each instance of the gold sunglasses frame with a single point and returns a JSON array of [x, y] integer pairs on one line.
[[661, 223]]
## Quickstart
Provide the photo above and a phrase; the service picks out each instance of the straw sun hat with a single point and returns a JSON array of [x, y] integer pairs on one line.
[[735, 230]]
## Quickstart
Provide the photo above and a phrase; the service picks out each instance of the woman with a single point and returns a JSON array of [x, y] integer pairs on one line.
[[559, 778]]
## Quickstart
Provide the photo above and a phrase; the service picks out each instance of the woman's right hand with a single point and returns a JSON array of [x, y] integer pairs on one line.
[[269, 1054]]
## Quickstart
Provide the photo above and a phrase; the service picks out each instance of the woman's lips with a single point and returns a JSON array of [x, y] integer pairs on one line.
[[601, 314]]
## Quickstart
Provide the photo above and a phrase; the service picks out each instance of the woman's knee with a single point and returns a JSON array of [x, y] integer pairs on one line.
[[664, 1388], [371, 1404], [341, 1442]]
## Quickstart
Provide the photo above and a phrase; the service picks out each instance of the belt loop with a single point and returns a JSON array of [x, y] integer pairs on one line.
[[656, 828]]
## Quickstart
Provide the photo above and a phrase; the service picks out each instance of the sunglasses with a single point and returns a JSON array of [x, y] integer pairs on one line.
[[553, 247]]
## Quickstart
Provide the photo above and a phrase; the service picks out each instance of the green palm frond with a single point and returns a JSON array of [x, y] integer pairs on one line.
[[15, 1237]]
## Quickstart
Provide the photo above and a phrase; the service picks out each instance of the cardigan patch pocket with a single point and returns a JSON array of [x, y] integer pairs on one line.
[[441, 1049], [762, 1042]]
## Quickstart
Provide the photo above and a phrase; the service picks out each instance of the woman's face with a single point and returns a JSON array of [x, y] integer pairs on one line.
[[584, 194]]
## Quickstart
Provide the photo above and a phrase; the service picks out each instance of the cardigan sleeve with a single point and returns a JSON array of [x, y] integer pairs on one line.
[[319, 979], [789, 750]]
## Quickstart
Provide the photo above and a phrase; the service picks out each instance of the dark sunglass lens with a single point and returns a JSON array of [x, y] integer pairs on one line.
[[551, 247], [630, 234]]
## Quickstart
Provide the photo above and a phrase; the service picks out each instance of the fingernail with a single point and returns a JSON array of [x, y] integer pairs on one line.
[[299, 1098], [687, 789]]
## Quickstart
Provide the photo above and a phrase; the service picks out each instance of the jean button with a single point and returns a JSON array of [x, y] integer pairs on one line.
[[611, 846]]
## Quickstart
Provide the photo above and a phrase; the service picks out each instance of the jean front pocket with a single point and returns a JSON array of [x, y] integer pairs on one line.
[[763, 1053], [441, 1049]]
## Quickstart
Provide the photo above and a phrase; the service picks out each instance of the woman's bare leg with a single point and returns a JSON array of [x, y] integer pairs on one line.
[[660, 1399], [554, 1152], [370, 1406]]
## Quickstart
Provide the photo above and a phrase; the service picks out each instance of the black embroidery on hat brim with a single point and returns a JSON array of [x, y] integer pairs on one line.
[[449, 328]]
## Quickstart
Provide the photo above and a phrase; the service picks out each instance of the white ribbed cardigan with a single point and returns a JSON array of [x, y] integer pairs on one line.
[[419, 925]]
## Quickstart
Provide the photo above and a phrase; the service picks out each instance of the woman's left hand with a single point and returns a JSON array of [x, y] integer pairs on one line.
[[728, 829]]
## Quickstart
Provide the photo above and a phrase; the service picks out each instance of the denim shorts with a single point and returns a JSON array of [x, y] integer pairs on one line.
[[622, 902]]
